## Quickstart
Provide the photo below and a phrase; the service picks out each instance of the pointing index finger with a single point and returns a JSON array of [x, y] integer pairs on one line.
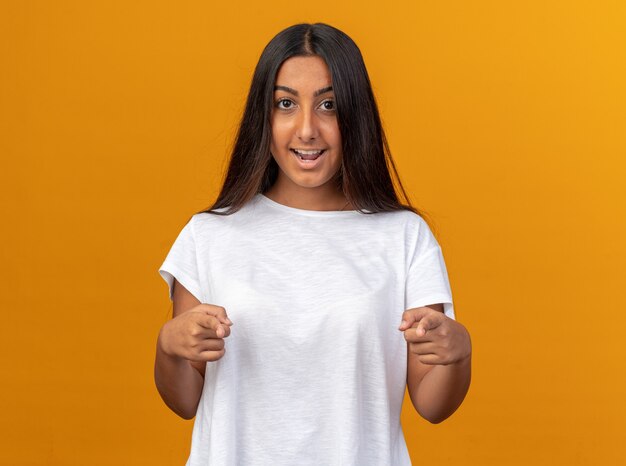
[[209, 322], [212, 323], [428, 323], [217, 311]]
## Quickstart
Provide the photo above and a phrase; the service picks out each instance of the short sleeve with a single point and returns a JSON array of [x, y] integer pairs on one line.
[[181, 263], [427, 277]]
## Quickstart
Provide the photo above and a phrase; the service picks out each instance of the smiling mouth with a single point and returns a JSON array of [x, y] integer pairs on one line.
[[308, 154]]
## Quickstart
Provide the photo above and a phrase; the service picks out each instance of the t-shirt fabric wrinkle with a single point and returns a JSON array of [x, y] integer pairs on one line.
[[314, 371]]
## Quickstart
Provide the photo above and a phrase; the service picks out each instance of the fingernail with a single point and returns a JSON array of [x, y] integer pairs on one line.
[[229, 321]]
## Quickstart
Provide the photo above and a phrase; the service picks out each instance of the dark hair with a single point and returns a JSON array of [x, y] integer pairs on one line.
[[364, 176]]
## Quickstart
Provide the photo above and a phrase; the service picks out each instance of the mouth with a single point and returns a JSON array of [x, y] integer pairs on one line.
[[308, 154]]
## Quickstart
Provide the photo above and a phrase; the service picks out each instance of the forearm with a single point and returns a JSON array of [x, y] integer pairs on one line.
[[442, 390], [178, 382]]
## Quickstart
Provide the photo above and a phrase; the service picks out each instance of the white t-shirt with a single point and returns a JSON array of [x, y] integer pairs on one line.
[[314, 371]]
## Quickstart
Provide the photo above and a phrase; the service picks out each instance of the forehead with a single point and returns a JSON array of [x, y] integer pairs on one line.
[[304, 72]]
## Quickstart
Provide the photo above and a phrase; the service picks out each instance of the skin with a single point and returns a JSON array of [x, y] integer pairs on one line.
[[439, 356], [306, 121], [194, 336], [438, 348]]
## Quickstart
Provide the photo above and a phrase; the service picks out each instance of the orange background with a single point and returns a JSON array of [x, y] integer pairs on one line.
[[506, 119]]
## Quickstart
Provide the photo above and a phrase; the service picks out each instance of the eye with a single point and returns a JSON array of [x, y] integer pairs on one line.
[[327, 107], [289, 102]]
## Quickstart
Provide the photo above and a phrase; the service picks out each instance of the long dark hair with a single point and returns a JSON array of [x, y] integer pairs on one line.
[[364, 176]]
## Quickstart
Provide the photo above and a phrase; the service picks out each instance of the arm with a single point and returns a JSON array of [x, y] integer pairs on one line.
[[438, 386], [179, 381]]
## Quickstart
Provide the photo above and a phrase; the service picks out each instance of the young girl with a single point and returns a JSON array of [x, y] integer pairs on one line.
[[307, 298]]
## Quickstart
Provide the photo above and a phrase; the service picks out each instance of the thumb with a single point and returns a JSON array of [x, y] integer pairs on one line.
[[410, 316]]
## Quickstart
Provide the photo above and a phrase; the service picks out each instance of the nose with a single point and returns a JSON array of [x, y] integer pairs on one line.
[[307, 125]]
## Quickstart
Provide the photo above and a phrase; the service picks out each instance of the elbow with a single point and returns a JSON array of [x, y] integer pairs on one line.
[[436, 416], [428, 413], [186, 415], [183, 409], [185, 412], [435, 419]]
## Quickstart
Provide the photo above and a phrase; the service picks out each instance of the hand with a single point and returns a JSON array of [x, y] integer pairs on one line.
[[197, 334], [434, 337]]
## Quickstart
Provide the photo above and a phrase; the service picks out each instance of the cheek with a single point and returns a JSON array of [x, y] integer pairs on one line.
[[337, 164], [334, 135], [279, 136]]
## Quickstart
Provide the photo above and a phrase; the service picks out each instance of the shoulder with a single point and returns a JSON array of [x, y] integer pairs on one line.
[[417, 224], [409, 220], [210, 223]]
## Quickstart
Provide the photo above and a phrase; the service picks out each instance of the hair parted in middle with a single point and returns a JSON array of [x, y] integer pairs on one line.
[[364, 176]]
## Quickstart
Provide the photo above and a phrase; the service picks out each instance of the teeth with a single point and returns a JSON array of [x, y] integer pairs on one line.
[[308, 152]]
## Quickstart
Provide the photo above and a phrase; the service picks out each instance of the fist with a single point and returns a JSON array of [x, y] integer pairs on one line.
[[434, 337], [197, 334]]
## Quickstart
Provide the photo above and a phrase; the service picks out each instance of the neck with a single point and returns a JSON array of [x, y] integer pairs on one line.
[[309, 198]]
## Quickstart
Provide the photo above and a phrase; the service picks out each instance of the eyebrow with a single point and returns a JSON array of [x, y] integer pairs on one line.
[[294, 92]]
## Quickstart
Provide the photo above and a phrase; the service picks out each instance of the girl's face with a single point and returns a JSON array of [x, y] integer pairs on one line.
[[304, 119]]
